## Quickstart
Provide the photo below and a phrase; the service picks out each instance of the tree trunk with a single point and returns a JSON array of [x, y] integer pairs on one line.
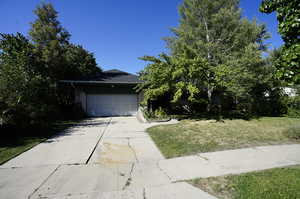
[[219, 106], [209, 97], [207, 39], [209, 89]]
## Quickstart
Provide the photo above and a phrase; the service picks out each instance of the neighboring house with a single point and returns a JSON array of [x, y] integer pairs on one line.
[[110, 93]]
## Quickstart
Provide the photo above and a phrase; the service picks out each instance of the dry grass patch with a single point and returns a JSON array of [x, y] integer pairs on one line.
[[220, 187], [195, 136]]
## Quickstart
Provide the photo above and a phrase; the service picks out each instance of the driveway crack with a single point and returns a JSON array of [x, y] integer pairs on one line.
[[129, 179], [35, 190], [132, 149], [144, 193], [164, 172]]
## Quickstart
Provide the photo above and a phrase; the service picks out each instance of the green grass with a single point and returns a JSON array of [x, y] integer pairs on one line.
[[17, 147], [279, 183], [12, 147], [194, 136]]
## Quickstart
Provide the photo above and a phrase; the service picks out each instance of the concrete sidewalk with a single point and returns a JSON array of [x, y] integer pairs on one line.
[[238, 161]]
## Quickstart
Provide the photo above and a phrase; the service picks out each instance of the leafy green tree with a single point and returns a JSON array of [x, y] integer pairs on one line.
[[51, 41], [288, 16], [215, 31], [177, 75], [214, 50], [157, 76], [80, 63], [23, 90]]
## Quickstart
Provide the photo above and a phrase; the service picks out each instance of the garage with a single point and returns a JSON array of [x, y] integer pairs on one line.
[[109, 93], [112, 104]]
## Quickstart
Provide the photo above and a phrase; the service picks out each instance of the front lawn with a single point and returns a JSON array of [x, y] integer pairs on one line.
[[194, 136], [16, 147], [12, 147], [279, 183]]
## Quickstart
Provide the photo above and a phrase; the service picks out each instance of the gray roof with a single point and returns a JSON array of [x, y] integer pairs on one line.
[[109, 77]]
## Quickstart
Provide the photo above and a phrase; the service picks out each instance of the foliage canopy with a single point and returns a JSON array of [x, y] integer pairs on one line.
[[288, 16], [214, 54]]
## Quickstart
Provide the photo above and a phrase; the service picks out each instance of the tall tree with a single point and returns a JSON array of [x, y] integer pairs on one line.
[[215, 33], [51, 40], [288, 16]]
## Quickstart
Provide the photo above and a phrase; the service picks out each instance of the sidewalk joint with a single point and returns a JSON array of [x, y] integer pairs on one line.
[[35, 190], [94, 149]]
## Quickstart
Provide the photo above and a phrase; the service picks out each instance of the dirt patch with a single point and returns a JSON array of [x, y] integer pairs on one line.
[[112, 154], [219, 187]]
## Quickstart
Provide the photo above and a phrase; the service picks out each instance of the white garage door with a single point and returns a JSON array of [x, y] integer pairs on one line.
[[111, 104]]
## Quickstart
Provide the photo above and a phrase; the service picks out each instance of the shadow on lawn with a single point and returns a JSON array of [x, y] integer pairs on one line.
[[218, 118]]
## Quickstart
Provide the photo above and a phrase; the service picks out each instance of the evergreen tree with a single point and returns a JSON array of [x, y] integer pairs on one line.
[[51, 41]]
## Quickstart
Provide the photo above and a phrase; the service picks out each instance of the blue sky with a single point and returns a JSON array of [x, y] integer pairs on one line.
[[117, 31]]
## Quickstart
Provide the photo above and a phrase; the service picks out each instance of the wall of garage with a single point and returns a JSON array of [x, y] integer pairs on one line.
[[83, 90]]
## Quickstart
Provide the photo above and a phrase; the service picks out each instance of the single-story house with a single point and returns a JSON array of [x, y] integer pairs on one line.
[[110, 93]]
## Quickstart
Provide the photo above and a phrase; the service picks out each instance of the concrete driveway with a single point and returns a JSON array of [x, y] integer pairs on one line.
[[99, 158]]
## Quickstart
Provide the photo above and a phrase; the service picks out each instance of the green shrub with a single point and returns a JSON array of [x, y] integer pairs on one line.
[[293, 132], [160, 113], [242, 111], [148, 114], [293, 113], [294, 107]]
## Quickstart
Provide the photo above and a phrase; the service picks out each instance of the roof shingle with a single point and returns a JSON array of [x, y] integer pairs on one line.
[[113, 76]]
